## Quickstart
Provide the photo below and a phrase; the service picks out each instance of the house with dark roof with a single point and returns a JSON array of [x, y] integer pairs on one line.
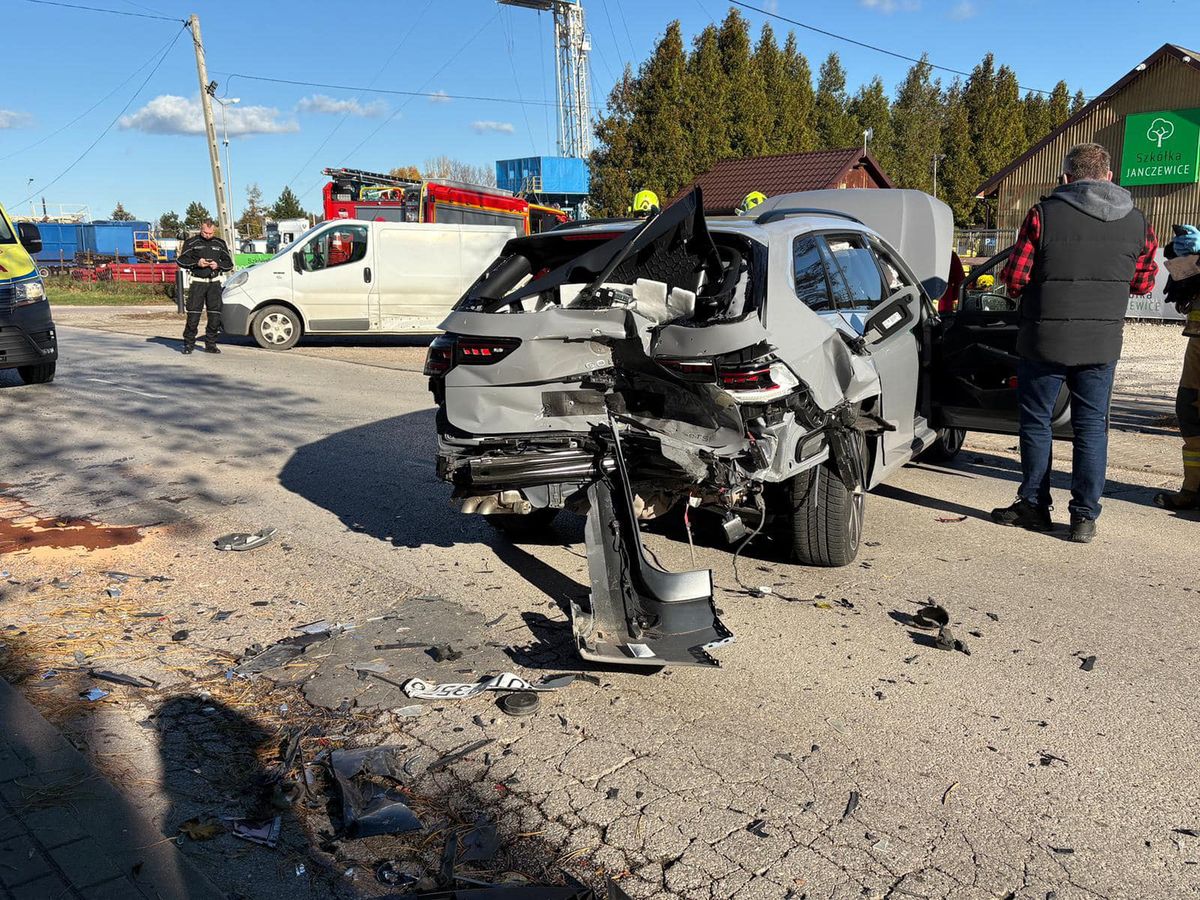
[[1149, 121], [727, 183]]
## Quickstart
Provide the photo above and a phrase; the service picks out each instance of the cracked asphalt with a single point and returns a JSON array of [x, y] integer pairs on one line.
[[835, 754]]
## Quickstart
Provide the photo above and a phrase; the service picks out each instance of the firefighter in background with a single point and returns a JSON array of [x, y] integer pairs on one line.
[[206, 257], [644, 203], [751, 200], [1183, 289]]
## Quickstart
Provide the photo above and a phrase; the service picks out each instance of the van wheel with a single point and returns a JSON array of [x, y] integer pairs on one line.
[[945, 447], [42, 373], [276, 328], [826, 518]]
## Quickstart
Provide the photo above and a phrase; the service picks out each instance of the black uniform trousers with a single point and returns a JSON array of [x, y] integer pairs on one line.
[[201, 295]]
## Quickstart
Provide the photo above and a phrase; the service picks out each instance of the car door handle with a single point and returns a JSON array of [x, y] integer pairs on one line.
[[367, 274]]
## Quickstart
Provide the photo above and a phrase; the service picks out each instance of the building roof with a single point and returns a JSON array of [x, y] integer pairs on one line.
[[726, 184], [1185, 56]]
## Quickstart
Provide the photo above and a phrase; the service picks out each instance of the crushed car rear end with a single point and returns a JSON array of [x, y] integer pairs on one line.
[[622, 370]]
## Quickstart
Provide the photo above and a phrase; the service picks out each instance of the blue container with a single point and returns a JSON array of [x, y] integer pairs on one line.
[[556, 175], [110, 240], [60, 243]]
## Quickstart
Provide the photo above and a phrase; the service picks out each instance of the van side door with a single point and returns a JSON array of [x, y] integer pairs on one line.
[[333, 277]]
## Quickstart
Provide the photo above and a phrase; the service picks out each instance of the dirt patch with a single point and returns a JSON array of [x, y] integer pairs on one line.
[[21, 529]]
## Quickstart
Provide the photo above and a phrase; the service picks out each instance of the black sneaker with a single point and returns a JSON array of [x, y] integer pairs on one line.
[[1024, 514], [187, 348], [211, 348], [1082, 530]]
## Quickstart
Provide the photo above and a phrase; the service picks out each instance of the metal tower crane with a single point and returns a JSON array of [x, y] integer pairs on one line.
[[571, 47]]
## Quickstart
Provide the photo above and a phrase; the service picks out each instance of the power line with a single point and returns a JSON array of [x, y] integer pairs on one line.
[[86, 112], [378, 72], [107, 128], [434, 95], [421, 93], [508, 46], [101, 9], [863, 44]]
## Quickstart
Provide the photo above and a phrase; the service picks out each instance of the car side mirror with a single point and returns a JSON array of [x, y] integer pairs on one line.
[[298, 262], [31, 238]]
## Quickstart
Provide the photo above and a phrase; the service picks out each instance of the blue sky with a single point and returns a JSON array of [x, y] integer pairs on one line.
[[150, 162]]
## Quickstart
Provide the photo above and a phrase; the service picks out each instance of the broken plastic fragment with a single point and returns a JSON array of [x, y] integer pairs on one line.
[[482, 842], [93, 694], [1087, 663], [113, 592], [931, 615], [265, 832], [122, 678], [453, 756], [505, 681], [242, 541], [851, 804], [369, 808]]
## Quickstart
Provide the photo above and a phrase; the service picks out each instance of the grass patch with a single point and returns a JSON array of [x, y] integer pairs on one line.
[[65, 291]]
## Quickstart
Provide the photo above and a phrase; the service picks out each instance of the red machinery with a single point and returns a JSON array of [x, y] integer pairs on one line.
[[355, 194]]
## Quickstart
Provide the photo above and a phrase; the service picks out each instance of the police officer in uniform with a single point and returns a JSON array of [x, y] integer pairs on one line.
[[206, 257]]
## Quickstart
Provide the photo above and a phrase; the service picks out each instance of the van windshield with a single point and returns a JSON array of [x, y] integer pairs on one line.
[[287, 248], [6, 235]]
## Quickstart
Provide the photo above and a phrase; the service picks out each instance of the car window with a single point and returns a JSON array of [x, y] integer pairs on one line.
[[985, 292], [854, 258], [812, 287], [894, 278], [335, 247]]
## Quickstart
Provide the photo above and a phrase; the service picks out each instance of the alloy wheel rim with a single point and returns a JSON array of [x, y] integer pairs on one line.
[[277, 328]]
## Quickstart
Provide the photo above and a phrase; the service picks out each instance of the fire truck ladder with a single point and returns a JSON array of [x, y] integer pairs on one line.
[[370, 177]]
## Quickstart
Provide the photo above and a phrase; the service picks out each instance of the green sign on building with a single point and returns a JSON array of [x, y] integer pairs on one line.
[[1161, 147]]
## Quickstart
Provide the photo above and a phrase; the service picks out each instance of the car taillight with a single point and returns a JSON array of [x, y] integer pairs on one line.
[[752, 377], [440, 358], [477, 351], [450, 350], [702, 370]]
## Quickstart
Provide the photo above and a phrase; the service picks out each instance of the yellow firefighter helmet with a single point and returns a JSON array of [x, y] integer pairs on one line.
[[644, 202], [751, 200]]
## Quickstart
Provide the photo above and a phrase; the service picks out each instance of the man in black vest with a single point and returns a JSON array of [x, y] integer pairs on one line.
[[205, 256], [1079, 255]]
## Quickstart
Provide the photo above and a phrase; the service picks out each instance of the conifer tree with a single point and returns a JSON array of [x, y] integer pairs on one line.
[[768, 68], [749, 111], [1035, 113], [871, 110], [287, 206], [612, 161], [657, 130], [958, 173], [795, 103], [916, 121], [835, 126], [706, 104], [1078, 102], [195, 215], [1059, 104]]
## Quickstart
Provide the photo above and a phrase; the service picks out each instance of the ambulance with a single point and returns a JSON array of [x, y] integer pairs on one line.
[[27, 338]]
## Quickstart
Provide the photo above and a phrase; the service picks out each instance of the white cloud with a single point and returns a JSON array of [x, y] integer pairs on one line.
[[482, 127], [439, 97], [169, 114], [963, 10], [887, 7], [10, 118], [319, 103]]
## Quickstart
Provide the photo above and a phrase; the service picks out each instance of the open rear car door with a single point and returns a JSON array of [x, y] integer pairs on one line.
[[975, 359]]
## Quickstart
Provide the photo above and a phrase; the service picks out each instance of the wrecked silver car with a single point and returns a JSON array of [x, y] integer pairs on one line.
[[770, 369]]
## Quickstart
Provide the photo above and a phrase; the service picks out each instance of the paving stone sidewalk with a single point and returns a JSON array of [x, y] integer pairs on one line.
[[66, 832]]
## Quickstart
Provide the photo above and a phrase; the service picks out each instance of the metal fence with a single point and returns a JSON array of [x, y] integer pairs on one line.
[[982, 243]]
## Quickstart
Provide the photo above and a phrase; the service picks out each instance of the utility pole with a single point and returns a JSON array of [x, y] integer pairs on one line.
[[224, 222]]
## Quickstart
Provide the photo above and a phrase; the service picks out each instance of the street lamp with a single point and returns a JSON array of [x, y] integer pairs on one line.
[[937, 157], [227, 101], [868, 134]]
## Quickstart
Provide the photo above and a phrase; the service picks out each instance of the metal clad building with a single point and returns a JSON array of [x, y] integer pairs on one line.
[[1169, 80]]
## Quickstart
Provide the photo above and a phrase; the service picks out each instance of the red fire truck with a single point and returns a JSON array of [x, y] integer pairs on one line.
[[355, 194]]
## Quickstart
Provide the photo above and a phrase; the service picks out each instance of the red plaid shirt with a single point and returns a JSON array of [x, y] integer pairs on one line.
[[1018, 269]]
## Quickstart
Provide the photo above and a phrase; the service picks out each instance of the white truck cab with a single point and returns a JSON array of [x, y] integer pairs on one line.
[[356, 277]]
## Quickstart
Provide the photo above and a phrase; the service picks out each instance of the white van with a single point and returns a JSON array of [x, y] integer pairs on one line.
[[355, 277]]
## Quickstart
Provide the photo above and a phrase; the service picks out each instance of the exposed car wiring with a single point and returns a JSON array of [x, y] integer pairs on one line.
[[761, 503]]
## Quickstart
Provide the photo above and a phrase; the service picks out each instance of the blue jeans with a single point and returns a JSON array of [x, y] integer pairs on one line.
[[1038, 385]]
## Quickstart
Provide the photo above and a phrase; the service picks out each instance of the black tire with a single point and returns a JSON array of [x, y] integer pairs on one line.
[[523, 527], [947, 445], [276, 328], [826, 518], [39, 373]]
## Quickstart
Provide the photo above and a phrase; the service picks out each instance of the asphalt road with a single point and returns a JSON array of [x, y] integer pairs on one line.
[[879, 765]]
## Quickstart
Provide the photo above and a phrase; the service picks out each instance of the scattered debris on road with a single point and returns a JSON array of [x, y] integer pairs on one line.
[[521, 703], [1087, 663], [505, 681], [370, 807], [243, 541]]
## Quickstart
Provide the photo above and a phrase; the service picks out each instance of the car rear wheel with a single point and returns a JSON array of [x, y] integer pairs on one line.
[[276, 328], [826, 518], [41, 373], [945, 447]]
